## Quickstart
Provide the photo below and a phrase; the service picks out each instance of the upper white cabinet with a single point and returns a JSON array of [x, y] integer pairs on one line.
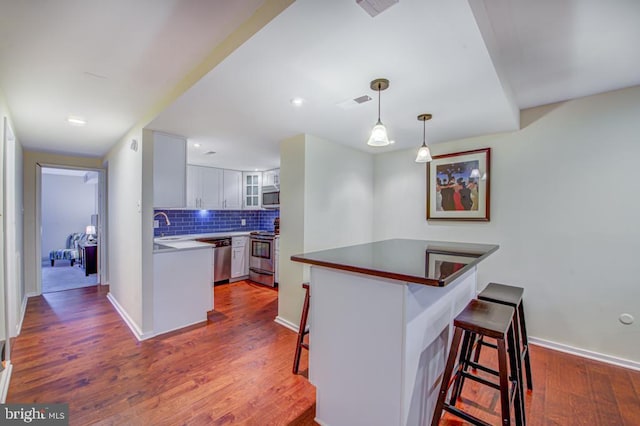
[[169, 170], [204, 187], [211, 188], [251, 182], [271, 178], [232, 193]]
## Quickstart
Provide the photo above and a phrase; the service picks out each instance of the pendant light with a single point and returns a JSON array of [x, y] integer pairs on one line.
[[424, 155], [379, 135]]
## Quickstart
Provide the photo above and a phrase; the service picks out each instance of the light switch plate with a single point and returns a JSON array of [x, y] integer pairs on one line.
[[243, 222], [156, 224]]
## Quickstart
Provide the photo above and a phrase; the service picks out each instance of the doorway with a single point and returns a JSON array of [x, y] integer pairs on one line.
[[69, 228]]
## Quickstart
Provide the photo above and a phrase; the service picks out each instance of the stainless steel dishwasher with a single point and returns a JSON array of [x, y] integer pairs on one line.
[[221, 259]]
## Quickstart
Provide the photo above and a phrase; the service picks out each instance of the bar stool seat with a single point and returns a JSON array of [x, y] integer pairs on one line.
[[510, 296], [483, 318], [303, 330]]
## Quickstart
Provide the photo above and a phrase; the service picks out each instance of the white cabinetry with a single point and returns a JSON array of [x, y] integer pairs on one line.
[[211, 188], [204, 187], [232, 192], [169, 170], [251, 182], [271, 178], [239, 257]]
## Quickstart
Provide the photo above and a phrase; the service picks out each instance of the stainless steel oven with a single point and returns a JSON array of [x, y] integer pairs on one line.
[[261, 259]]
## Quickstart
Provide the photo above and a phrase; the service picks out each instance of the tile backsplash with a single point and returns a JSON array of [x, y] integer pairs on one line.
[[206, 221]]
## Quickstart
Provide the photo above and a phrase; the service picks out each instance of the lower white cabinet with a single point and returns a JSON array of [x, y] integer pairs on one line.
[[239, 257]]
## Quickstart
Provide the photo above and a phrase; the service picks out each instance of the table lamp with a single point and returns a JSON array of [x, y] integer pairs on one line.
[[91, 232]]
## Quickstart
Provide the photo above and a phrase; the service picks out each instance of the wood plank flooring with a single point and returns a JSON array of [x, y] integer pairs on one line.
[[567, 390], [237, 370]]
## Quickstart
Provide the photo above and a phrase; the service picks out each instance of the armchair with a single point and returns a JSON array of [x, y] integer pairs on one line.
[[70, 252]]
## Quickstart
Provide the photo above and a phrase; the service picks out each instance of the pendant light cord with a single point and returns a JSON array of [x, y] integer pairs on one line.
[[424, 132], [378, 102]]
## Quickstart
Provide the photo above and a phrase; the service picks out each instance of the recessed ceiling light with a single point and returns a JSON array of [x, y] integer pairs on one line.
[[75, 120], [297, 102], [197, 145]]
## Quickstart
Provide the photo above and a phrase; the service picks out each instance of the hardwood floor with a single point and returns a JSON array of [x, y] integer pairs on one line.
[[74, 348], [567, 390]]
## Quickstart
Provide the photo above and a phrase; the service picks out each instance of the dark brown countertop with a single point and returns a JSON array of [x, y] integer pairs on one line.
[[435, 263]]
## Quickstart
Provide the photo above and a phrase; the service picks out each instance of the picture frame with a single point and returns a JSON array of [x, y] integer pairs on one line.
[[458, 186]]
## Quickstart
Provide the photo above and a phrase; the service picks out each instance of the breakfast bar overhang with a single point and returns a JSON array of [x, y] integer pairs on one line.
[[380, 321]]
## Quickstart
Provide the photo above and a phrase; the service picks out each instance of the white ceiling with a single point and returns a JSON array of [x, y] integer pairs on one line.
[[472, 64], [108, 61]]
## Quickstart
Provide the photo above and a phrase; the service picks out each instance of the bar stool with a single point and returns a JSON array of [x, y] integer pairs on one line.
[[482, 318], [302, 330], [510, 296]]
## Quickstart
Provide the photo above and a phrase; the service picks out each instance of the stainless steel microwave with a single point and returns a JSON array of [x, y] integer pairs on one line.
[[271, 199]]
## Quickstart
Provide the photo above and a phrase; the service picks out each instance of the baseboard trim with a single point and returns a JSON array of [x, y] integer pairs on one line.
[[608, 359], [182, 328], [286, 323], [127, 319], [23, 312], [5, 378], [320, 422]]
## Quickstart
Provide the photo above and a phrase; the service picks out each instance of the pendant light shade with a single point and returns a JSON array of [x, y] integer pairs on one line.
[[424, 154], [379, 136]]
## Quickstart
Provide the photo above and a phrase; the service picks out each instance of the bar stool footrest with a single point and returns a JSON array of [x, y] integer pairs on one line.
[[466, 416]]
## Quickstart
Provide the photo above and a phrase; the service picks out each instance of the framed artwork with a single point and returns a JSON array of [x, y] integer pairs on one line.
[[458, 186], [440, 265]]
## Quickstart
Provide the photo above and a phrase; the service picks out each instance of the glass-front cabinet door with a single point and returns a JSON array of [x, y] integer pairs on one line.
[[252, 190]]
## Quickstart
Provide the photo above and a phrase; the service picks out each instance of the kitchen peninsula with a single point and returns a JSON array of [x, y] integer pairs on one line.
[[380, 319]]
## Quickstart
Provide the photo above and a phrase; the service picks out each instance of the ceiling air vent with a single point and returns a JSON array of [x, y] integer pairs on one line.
[[350, 103], [362, 99], [374, 7]]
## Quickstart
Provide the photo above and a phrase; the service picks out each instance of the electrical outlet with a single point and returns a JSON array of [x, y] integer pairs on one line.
[[243, 222], [156, 224]]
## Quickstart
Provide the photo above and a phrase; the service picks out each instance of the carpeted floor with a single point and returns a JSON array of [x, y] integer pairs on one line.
[[62, 276]]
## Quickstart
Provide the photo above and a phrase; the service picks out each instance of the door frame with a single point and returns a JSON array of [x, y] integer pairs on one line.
[[101, 228]]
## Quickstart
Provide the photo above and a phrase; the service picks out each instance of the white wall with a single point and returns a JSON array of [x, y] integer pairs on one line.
[[12, 292], [124, 184], [67, 206], [564, 209], [13, 223], [4, 121], [327, 198]]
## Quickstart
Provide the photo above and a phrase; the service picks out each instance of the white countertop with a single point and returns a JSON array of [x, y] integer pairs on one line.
[[188, 241]]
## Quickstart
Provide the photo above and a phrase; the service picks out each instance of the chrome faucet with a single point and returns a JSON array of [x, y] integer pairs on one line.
[[165, 216]]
